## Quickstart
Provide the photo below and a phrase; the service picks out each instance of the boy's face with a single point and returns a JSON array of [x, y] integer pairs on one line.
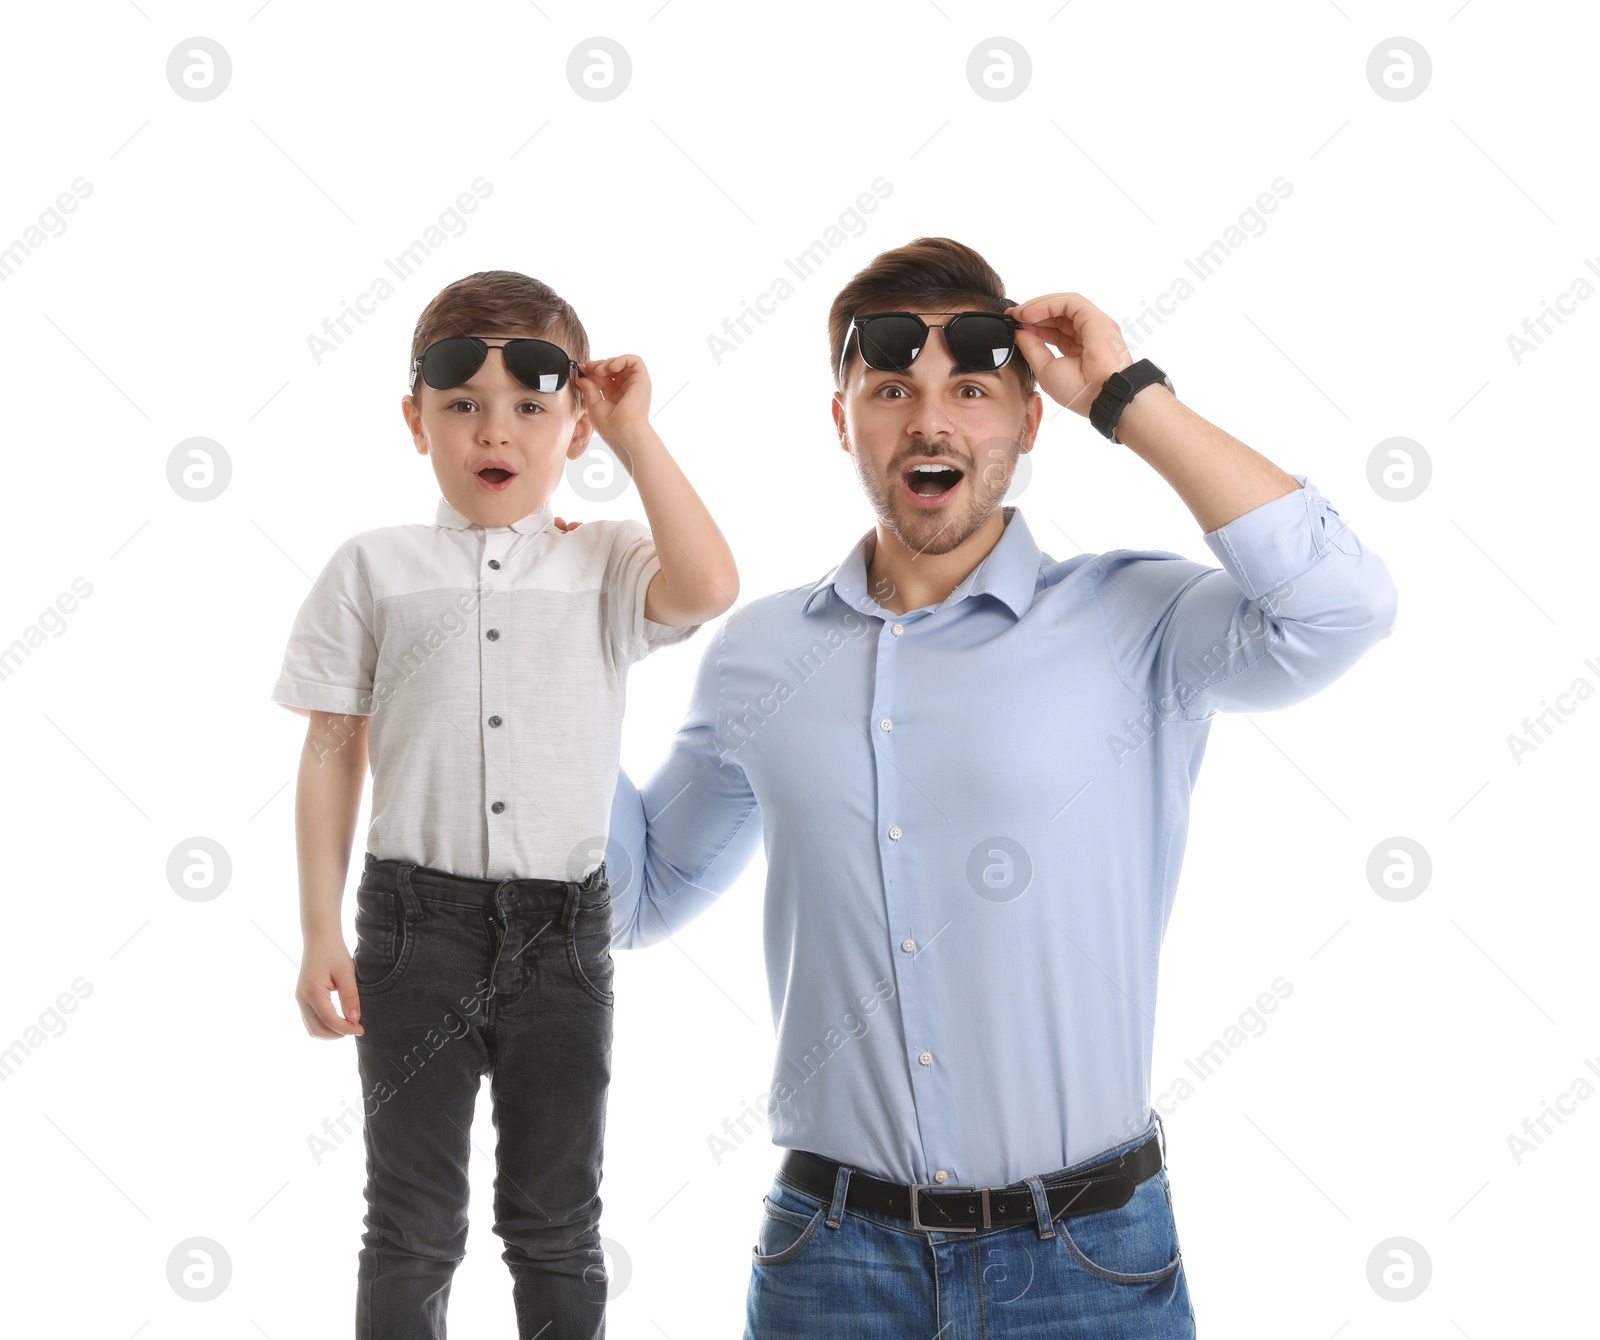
[[477, 432], [976, 422]]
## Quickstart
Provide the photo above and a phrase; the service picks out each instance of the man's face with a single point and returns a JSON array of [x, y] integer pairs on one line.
[[498, 449], [973, 424]]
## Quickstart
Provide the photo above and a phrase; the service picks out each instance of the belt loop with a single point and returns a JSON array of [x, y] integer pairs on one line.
[[408, 896], [1161, 1135], [569, 915], [841, 1182], [1041, 1207]]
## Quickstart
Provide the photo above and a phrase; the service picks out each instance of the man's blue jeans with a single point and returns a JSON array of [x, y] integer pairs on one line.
[[821, 1270]]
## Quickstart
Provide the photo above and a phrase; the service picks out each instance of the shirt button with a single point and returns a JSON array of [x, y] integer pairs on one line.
[[908, 944], [886, 724], [895, 832], [940, 1175], [494, 562], [897, 629], [925, 1057], [494, 721], [493, 635], [498, 807]]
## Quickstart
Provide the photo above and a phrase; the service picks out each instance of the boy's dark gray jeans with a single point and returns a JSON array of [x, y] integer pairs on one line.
[[459, 978]]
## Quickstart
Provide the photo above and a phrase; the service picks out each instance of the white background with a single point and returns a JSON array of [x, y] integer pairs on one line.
[[177, 1099]]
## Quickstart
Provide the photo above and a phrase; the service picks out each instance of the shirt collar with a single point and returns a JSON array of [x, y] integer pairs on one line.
[[1009, 572], [528, 525]]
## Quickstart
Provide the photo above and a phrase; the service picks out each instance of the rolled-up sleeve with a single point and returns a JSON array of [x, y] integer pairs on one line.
[[332, 653], [1297, 601], [689, 834], [631, 564]]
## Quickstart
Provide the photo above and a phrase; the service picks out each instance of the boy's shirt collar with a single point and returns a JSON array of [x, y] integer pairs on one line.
[[531, 524]]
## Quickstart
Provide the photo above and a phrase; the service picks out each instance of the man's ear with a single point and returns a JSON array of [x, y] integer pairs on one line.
[[839, 423], [1031, 418]]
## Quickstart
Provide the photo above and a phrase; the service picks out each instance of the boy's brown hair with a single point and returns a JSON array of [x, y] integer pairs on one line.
[[937, 273], [500, 302]]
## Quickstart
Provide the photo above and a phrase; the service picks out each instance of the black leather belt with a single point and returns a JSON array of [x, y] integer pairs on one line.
[[965, 1209]]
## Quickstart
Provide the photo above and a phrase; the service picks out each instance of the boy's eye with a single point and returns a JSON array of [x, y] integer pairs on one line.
[[526, 404]]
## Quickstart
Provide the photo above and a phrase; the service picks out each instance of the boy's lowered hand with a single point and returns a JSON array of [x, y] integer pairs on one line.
[[325, 967]]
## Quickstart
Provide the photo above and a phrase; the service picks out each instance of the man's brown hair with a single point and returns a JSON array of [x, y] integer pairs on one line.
[[937, 273], [500, 302]]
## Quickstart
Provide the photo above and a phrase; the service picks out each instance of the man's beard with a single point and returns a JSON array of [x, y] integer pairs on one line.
[[986, 475]]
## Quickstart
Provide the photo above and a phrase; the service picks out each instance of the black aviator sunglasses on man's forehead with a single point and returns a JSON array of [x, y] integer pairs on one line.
[[891, 341]]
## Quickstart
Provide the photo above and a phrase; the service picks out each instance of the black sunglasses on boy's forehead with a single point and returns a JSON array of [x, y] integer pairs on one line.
[[537, 364], [891, 341]]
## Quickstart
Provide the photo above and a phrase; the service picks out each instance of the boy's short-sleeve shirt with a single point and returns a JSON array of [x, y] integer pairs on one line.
[[493, 663]]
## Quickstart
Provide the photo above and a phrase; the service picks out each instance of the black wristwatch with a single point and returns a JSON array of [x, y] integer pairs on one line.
[[1120, 388]]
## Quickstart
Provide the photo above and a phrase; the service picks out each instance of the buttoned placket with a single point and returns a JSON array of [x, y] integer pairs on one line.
[[500, 808], [931, 1081]]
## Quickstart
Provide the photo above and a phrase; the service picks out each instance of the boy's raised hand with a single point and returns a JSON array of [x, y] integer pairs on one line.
[[325, 967], [616, 392]]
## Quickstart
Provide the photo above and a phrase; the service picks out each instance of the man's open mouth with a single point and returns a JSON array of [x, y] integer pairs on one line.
[[930, 482]]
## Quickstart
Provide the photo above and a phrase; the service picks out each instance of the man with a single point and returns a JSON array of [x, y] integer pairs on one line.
[[971, 766]]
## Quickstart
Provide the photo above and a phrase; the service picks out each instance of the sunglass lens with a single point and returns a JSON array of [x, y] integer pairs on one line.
[[537, 364], [453, 361], [980, 342], [890, 343]]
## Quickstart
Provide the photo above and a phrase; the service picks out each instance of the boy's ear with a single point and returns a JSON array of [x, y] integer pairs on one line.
[[412, 413], [582, 431]]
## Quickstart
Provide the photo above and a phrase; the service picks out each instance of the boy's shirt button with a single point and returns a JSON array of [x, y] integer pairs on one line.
[[493, 635], [494, 721], [494, 562], [498, 806]]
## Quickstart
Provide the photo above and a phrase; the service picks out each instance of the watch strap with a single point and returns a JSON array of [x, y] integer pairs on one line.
[[1120, 388]]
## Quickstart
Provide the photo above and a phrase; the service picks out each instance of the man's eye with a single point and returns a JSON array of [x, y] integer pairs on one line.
[[891, 386]]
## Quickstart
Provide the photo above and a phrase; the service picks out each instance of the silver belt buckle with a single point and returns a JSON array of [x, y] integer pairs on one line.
[[945, 1228]]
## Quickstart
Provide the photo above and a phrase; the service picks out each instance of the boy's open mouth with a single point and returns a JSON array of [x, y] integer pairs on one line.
[[496, 477], [931, 483]]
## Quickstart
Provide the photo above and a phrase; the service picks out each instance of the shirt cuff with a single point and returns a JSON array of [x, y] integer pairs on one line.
[[651, 634], [1276, 542], [298, 693]]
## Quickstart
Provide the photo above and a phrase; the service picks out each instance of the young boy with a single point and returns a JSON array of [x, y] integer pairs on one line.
[[489, 652]]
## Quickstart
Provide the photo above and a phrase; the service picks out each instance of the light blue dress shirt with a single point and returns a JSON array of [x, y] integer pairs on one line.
[[973, 815]]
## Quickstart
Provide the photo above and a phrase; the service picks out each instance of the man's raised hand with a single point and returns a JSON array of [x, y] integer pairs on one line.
[[1090, 343]]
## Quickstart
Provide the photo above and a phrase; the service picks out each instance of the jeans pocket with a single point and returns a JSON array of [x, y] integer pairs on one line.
[[385, 940], [783, 1233], [589, 951], [1136, 1243]]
